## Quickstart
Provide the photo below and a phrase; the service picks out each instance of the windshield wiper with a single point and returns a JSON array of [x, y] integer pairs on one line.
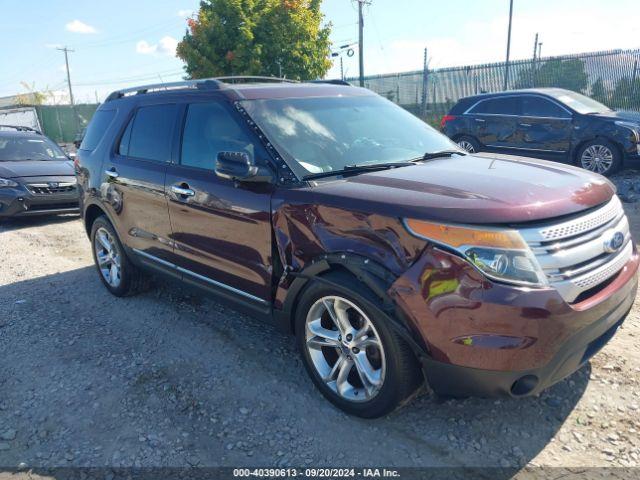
[[440, 154], [361, 168]]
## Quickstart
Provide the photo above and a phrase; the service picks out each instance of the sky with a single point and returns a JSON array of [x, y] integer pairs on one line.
[[120, 43]]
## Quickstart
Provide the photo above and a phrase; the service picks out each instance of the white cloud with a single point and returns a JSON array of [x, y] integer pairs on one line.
[[166, 46], [185, 13], [76, 26], [145, 47]]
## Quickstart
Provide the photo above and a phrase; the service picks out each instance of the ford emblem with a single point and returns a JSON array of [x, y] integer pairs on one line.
[[613, 242]]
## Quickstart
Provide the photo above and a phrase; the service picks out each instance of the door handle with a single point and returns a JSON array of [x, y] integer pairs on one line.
[[184, 191], [112, 173], [524, 124], [480, 120]]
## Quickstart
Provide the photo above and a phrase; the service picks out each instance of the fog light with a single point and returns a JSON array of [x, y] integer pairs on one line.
[[524, 385]]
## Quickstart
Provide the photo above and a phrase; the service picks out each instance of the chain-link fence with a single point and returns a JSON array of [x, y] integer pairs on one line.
[[611, 77]]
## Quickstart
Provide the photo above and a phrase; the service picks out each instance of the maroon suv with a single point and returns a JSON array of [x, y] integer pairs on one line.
[[391, 253]]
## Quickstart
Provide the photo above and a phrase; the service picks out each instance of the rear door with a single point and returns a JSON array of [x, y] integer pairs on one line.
[[221, 229], [135, 174], [496, 121], [544, 127]]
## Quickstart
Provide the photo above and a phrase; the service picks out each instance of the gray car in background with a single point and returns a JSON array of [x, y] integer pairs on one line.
[[36, 176]]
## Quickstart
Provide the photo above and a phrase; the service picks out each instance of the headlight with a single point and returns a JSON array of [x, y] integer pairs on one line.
[[5, 182], [635, 129], [500, 254]]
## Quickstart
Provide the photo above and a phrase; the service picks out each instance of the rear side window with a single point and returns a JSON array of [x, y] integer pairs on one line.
[[208, 130], [539, 107], [97, 128], [499, 106], [152, 132]]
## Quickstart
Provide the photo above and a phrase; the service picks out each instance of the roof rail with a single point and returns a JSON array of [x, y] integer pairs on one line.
[[257, 78], [21, 128], [333, 82], [205, 83], [214, 83]]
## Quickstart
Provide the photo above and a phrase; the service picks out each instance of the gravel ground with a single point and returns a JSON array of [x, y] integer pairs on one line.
[[169, 378]]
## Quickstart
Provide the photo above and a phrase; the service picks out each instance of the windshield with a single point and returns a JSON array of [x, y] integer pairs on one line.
[[20, 148], [327, 134], [580, 103]]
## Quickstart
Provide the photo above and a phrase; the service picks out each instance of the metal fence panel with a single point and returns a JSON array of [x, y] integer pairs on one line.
[[61, 123], [611, 77]]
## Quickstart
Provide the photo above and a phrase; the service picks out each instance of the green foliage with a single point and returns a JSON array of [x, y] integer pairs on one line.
[[257, 37], [599, 92], [569, 74], [626, 94]]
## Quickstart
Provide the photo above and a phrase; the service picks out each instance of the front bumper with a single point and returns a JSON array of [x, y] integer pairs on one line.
[[489, 339], [20, 202]]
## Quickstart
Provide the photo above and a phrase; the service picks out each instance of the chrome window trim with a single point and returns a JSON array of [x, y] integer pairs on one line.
[[201, 277], [549, 99], [524, 148]]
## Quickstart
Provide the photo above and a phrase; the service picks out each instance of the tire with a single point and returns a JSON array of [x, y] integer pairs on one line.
[[599, 156], [129, 278], [470, 144], [391, 366]]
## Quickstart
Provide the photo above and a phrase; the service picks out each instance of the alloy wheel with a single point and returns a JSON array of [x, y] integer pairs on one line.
[[345, 348], [597, 158], [466, 146], [108, 257]]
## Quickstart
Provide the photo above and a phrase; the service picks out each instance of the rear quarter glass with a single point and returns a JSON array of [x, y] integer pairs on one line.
[[99, 124]]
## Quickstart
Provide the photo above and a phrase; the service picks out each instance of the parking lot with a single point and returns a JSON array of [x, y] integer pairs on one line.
[[169, 378]]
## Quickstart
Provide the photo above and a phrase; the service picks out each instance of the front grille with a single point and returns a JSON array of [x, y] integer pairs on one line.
[[51, 188], [52, 206], [573, 253]]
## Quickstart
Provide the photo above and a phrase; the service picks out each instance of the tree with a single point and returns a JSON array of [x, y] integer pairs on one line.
[[283, 38], [33, 96], [599, 92], [626, 94], [558, 73]]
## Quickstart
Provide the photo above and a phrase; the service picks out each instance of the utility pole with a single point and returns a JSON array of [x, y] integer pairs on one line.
[[506, 66], [425, 73], [66, 61], [533, 63], [361, 4]]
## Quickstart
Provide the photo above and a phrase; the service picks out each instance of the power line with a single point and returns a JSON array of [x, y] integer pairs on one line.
[[146, 76]]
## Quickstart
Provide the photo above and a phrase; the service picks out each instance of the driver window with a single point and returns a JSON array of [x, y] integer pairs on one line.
[[209, 129]]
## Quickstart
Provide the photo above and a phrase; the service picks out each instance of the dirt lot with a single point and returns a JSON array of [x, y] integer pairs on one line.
[[169, 378]]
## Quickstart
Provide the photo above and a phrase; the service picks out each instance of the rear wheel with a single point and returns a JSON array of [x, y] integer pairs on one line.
[[354, 358], [469, 144], [599, 156], [116, 271]]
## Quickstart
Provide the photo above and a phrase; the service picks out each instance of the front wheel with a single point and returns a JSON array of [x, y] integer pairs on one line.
[[354, 358], [116, 271], [600, 156]]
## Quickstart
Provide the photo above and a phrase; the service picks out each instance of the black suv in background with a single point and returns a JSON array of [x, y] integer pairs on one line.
[[549, 123]]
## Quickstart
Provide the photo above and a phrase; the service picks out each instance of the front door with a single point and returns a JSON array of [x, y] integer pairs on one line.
[[544, 127], [496, 121], [221, 230], [135, 174]]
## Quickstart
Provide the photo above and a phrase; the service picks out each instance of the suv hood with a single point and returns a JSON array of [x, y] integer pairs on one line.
[[633, 117], [470, 189], [46, 168]]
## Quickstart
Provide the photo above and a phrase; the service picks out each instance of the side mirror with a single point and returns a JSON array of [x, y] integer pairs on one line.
[[240, 167]]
